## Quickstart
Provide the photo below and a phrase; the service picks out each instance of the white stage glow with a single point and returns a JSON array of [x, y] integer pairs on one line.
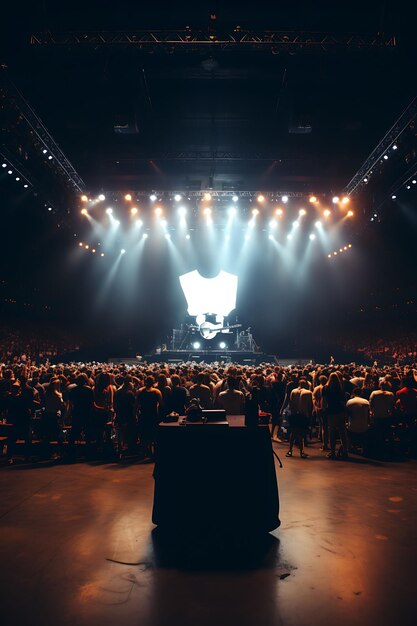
[[209, 296]]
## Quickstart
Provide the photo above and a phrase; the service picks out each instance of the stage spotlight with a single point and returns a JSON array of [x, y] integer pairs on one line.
[[93, 250], [296, 224], [84, 198], [44, 151], [350, 214], [255, 212], [222, 345], [109, 211], [102, 254], [152, 197], [394, 147], [207, 211], [4, 164], [177, 197], [50, 157], [10, 171], [345, 247], [340, 249], [302, 212], [349, 245], [284, 199], [145, 236], [158, 210], [235, 198], [345, 200], [318, 224], [49, 208], [386, 157], [326, 213], [207, 196], [279, 212], [139, 223], [414, 181], [102, 197], [25, 185], [334, 253], [196, 345], [84, 212], [128, 197], [312, 199], [188, 236], [312, 236], [17, 178], [134, 210], [81, 244], [335, 199], [394, 197], [330, 256], [408, 186], [261, 198], [167, 236], [182, 211], [365, 180], [122, 251]]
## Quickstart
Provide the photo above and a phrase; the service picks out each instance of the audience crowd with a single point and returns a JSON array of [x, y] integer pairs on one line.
[[118, 407]]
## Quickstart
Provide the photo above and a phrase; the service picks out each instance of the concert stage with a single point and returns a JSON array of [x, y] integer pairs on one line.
[[209, 356]]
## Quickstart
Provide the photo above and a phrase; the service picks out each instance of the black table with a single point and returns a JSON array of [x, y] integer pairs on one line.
[[209, 476]]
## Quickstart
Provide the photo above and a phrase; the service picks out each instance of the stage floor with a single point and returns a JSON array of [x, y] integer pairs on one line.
[[76, 548]]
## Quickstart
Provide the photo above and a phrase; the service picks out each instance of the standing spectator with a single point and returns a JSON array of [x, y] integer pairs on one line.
[[231, 400], [148, 400], [358, 420], [124, 403], [335, 400], [202, 392]]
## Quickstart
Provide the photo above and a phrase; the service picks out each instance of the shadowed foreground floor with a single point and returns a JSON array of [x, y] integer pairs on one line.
[[77, 548]]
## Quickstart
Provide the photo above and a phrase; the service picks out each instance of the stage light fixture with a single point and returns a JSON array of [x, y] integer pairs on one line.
[[134, 210], [84, 198], [222, 345], [93, 250], [109, 211], [349, 245], [296, 224], [334, 253], [394, 197], [395, 147], [255, 212], [4, 164], [279, 212], [345, 247], [330, 256], [50, 157], [139, 223], [102, 254], [152, 197], [345, 200], [44, 151], [312, 236], [17, 178], [326, 213], [414, 181], [122, 251], [365, 180], [87, 247], [25, 185], [10, 171], [318, 224], [261, 198], [49, 208], [177, 197], [302, 212], [81, 244], [188, 236], [207, 196], [335, 199], [128, 197], [158, 210], [235, 198], [312, 199], [408, 186], [196, 345], [102, 197], [207, 211], [350, 214], [84, 212], [386, 157], [284, 199]]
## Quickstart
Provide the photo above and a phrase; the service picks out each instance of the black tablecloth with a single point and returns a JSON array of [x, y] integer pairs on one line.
[[216, 477]]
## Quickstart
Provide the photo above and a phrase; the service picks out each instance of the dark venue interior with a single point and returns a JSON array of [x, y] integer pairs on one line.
[[208, 306]]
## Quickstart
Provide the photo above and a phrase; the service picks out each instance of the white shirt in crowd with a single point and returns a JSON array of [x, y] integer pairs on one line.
[[381, 403], [358, 414], [301, 401]]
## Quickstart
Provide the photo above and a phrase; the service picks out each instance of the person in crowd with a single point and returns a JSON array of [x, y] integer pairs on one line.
[[148, 401], [125, 409], [231, 400], [277, 399], [407, 405], [178, 397], [81, 401], [21, 405], [165, 389], [320, 411], [301, 411], [51, 420], [202, 392], [334, 397], [357, 409]]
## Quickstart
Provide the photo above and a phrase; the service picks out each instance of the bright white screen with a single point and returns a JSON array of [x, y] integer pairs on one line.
[[209, 296]]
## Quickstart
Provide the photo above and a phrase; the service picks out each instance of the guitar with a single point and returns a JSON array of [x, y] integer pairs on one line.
[[209, 330]]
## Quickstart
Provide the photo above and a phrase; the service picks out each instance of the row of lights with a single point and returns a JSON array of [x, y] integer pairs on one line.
[[407, 185], [17, 178], [340, 251], [385, 157], [86, 246], [207, 196]]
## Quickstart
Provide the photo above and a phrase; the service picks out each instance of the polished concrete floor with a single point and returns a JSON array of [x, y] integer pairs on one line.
[[77, 548]]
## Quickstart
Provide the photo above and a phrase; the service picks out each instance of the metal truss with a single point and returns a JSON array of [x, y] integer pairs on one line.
[[190, 40], [386, 142], [9, 158], [39, 132], [275, 196]]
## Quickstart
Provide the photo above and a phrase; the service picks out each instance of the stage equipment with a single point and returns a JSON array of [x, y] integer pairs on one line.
[[238, 39]]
